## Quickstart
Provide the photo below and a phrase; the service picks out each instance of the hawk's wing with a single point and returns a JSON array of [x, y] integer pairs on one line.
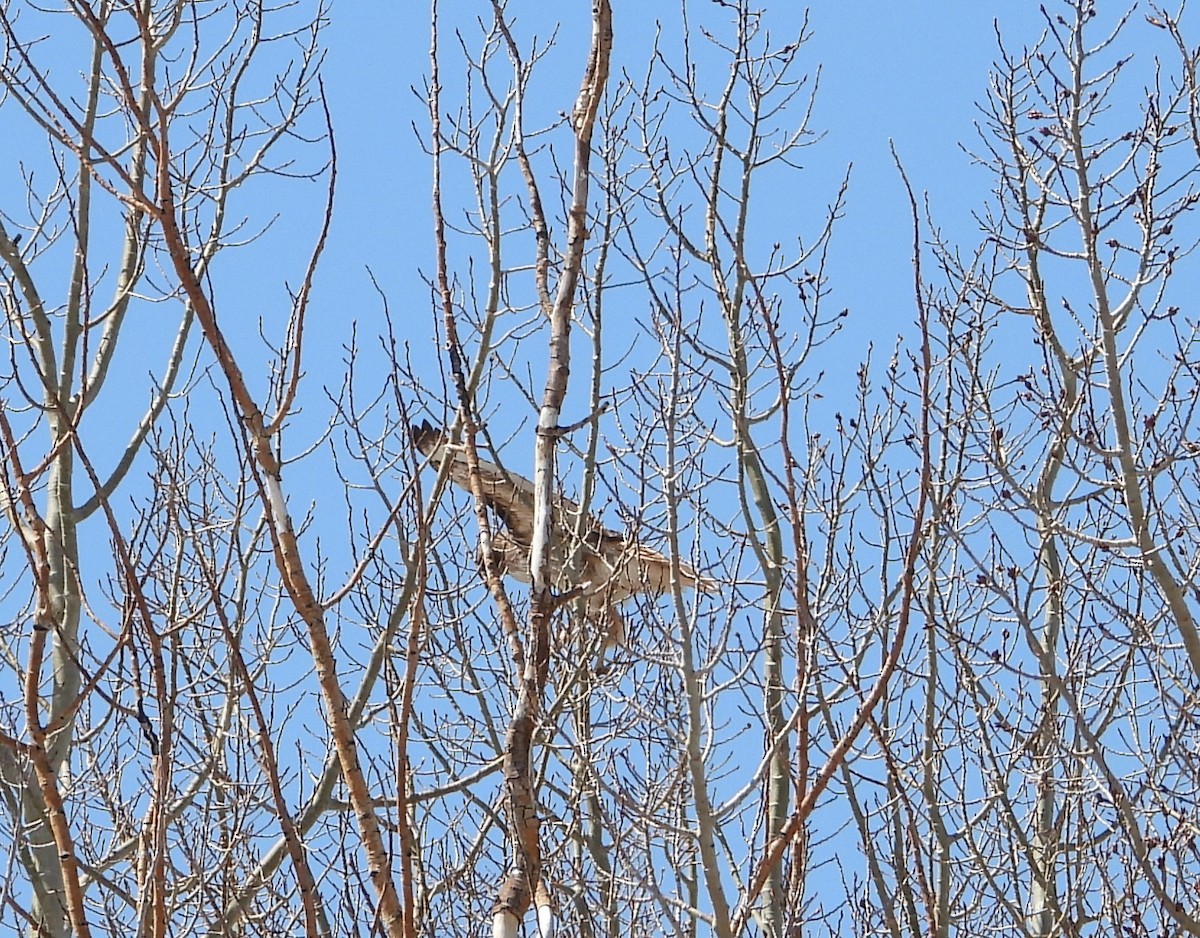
[[641, 569], [509, 495], [628, 568]]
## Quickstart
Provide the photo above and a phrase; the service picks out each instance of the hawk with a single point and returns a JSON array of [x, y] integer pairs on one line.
[[611, 567]]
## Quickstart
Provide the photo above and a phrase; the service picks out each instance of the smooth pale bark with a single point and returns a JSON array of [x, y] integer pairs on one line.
[[524, 883]]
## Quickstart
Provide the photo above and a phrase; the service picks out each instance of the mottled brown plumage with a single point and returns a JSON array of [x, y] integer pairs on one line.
[[612, 568]]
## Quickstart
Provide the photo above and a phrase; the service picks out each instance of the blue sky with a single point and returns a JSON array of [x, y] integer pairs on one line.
[[909, 73]]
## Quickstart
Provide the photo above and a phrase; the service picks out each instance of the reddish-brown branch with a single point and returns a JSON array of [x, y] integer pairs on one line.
[[412, 649], [296, 332], [287, 551], [43, 622]]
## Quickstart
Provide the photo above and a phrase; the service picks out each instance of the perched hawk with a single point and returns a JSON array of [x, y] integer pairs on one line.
[[612, 568]]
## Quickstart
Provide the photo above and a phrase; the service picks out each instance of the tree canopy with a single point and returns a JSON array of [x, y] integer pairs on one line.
[[605, 572]]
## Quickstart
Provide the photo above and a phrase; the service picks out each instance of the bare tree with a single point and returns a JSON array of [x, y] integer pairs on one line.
[[267, 667], [139, 141], [656, 844], [1041, 787]]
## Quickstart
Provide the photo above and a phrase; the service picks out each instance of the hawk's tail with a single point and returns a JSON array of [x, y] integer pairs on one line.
[[700, 582]]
